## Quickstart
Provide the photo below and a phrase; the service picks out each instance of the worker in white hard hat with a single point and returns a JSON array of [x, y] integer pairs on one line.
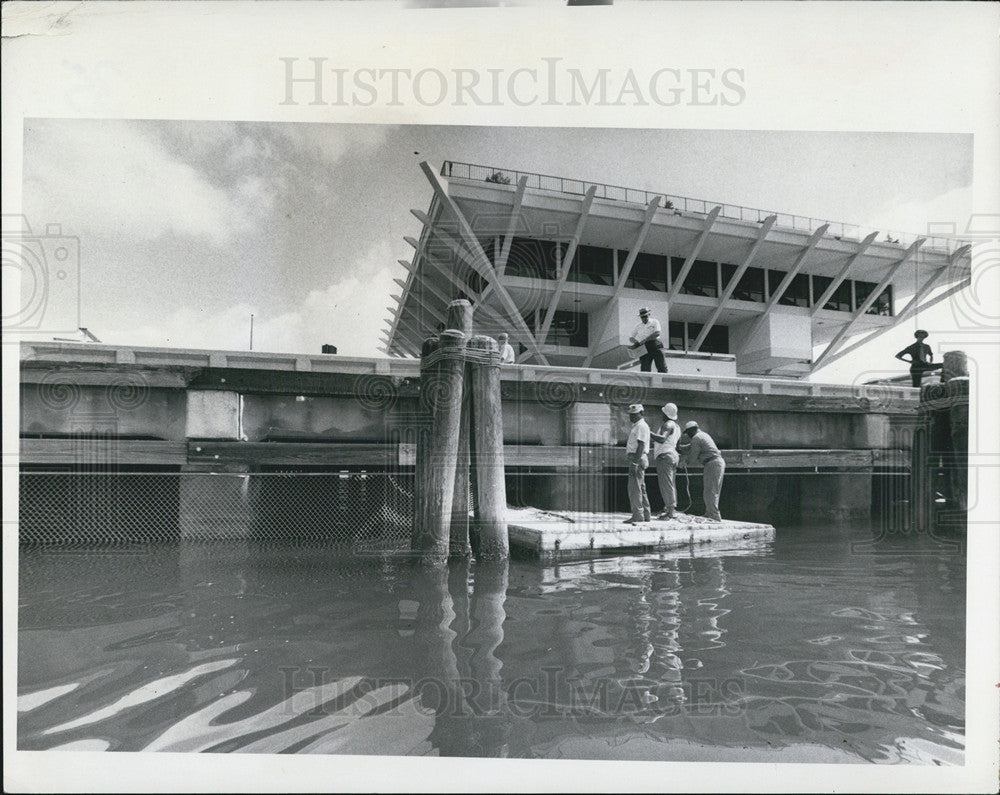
[[703, 450], [665, 459], [637, 453]]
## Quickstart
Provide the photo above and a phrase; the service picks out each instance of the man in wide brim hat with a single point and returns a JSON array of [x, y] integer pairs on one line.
[[637, 453]]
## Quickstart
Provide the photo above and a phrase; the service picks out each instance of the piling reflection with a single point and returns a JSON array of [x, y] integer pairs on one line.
[[690, 654], [455, 638]]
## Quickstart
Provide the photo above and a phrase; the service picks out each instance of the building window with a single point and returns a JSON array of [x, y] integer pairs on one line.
[[702, 279], [675, 329], [717, 340], [593, 265], [532, 259], [840, 301], [728, 271], [797, 293], [883, 304], [751, 286], [683, 336], [649, 272], [569, 328]]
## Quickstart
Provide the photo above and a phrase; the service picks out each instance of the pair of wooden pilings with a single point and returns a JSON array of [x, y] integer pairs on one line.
[[463, 451], [941, 443]]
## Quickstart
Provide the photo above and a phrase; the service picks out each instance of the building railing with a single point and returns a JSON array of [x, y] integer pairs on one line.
[[686, 204]]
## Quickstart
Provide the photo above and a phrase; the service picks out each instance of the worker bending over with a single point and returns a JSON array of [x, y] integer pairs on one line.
[[702, 450]]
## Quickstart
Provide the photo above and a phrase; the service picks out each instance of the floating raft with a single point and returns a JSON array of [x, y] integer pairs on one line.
[[551, 536]]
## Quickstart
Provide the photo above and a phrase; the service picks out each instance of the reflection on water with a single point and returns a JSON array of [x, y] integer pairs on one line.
[[807, 649]]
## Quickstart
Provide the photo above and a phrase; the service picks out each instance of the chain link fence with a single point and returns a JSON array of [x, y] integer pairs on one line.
[[354, 510]]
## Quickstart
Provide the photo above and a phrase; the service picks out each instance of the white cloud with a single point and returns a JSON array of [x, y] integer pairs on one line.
[[348, 313], [114, 179]]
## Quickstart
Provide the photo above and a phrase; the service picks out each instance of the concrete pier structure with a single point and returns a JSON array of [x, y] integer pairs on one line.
[[225, 422]]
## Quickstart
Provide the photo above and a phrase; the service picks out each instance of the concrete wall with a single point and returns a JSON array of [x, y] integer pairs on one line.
[[68, 409], [783, 338]]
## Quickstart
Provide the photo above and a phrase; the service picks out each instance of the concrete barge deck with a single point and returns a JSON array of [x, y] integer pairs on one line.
[[567, 535]]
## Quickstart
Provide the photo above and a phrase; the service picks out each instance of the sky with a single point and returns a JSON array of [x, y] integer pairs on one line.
[[187, 228]]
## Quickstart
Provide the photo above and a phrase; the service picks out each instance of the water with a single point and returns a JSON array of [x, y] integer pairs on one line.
[[812, 648]]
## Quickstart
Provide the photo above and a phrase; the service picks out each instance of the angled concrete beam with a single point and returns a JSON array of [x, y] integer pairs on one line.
[[814, 238], [462, 288], [839, 278], [911, 306], [567, 262], [640, 238], [866, 304], [675, 287], [481, 263], [409, 331], [727, 293], [515, 213], [477, 299]]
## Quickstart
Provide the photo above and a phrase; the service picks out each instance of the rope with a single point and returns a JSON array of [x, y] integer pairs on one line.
[[651, 472], [461, 354], [687, 489]]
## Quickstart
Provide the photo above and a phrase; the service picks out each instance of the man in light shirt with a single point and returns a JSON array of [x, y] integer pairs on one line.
[[704, 451], [637, 453], [665, 459], [506, 351], [647, 333]]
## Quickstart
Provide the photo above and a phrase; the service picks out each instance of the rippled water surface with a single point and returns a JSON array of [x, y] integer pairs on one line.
[[813, 648]]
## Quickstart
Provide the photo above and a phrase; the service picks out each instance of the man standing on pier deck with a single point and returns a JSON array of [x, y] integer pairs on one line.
[[665, 459], [704, 451], [636, 451]]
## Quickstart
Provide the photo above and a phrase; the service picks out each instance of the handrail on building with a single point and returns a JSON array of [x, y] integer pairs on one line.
[[680, 204]]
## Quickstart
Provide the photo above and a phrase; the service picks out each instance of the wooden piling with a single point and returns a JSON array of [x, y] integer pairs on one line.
[[460, 319], [941, 443], [487, 439], [441, 385], [428, 373], [460, 546], [955, 374]]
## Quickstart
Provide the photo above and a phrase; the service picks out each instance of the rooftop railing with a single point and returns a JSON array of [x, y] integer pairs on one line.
[[686, 204]]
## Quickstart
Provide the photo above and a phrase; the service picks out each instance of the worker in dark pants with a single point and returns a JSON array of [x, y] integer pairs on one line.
[[647, 334], [921, 357], [702, 450]]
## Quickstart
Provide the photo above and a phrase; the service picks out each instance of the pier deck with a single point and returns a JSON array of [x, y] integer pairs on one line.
[[563, 535]]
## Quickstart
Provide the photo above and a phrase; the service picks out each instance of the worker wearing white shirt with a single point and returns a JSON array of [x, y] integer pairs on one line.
[[506, 351], [647, 333], [637, 453]]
